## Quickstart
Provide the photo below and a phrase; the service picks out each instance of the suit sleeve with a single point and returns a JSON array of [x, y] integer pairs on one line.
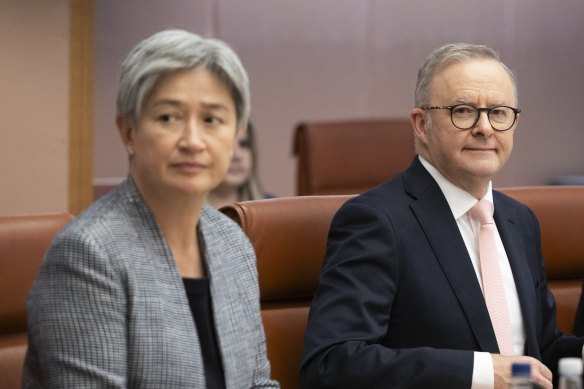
[[77, 319], [579, 319], [554, 345], [351, 314]]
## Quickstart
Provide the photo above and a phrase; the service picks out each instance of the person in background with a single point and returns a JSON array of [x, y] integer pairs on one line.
[[150, 287], [242, 182], [400, 300]]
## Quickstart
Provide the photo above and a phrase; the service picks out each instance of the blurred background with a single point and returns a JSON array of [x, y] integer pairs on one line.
[[307, 60]]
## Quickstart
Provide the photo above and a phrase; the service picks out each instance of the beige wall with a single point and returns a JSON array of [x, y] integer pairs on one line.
[[307, 60], [34, 82], [332, 59]]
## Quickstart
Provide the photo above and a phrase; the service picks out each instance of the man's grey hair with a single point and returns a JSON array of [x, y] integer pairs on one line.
[[172, 51], [446, 55]]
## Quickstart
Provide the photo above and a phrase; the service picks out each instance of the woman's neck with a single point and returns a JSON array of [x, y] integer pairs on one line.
[[177, 217]]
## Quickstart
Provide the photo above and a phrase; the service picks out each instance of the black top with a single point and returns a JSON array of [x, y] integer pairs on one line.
[[199, 296]]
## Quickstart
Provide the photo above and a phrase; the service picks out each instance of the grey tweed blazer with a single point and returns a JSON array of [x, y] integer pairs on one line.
[[109, 309]]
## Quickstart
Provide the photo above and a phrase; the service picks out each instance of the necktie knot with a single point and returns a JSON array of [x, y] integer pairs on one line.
[[483, 212]]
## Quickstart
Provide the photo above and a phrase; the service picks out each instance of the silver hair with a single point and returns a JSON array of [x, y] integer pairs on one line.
[[172, 51], [446, 55]]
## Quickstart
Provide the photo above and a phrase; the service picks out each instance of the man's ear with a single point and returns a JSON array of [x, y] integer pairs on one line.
[[126, 131], [419, 123]]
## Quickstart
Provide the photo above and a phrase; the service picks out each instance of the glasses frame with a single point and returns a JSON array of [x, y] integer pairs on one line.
[[451, 108]]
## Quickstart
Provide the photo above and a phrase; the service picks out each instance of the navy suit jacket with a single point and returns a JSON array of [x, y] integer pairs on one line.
[[398, 302]]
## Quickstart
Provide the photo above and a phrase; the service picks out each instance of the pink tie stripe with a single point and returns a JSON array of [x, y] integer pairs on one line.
[[493, 288]]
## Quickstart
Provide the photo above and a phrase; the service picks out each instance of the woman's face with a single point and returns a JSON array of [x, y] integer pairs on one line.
[[185, 135], [241, 165]]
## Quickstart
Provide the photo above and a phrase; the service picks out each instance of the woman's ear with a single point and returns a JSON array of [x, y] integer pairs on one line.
[[126, 131]]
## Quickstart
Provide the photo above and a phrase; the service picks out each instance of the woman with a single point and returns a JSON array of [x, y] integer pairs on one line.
[[241, 182], [151, 288]]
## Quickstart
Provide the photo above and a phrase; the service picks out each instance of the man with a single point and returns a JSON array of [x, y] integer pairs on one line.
[[400, 299]]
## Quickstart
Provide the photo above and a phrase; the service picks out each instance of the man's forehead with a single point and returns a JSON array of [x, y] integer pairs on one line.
[[480, 74]]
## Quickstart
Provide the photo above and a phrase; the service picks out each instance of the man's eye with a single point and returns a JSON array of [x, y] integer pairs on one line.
[[464, 110], [497, 112]]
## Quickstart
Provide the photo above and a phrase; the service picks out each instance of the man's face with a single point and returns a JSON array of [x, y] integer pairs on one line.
[[468, 158]]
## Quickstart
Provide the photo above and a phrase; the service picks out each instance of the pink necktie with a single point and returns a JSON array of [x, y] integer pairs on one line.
[[493, 288]]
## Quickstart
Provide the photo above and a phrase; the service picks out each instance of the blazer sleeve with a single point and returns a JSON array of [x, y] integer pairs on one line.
[[77, 319], [236, 300], [262, 372], [352, 308]]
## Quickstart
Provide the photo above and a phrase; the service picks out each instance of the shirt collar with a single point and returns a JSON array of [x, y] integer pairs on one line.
[[459, 200]]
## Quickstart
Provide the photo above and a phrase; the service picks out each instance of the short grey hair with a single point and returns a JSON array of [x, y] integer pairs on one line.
[[171, 51], [446, 55]]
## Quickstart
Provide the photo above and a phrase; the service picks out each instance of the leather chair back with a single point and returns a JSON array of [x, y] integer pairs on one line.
[[289, 236], [560, 211], [23, 242], [351, 156]]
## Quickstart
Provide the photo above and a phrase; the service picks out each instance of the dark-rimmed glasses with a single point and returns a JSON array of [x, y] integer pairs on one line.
[[466, 116]]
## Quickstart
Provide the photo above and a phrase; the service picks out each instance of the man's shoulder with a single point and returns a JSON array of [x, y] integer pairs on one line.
[[503, 199], [387, 195]]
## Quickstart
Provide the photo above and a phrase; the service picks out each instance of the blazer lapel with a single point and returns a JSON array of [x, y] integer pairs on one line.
[[433, 213]]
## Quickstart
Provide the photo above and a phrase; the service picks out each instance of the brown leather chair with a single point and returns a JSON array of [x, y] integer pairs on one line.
[[351, 156], [23, 242], [289, 236], [560, 211]]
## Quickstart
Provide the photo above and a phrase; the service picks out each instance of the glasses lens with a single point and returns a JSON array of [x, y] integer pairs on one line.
[[464, 116], [501, 118]]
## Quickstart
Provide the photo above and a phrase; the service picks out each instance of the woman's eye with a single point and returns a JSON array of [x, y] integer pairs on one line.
[[245, 144], [213, 120], [166, 118]]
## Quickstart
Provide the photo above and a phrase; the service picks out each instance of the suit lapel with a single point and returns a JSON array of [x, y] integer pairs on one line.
[[436, 220], [514, 247]]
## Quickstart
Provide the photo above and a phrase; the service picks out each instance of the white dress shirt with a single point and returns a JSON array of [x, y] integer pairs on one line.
[[460, 203]]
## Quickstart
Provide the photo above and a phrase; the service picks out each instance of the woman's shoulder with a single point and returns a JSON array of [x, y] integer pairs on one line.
[[107, 223], [214, 222]]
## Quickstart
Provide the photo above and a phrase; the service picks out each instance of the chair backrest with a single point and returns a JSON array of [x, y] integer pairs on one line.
[[289, 236], [23, 242], [351, 156], [560, 211]]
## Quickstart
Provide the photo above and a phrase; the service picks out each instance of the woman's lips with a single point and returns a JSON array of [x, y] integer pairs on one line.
[[189, 167]]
